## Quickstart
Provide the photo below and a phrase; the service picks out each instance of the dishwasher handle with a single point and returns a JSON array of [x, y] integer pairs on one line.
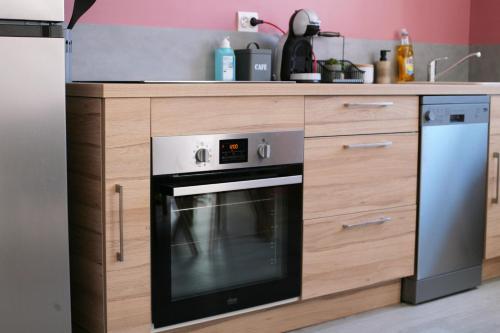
[[495, 200]]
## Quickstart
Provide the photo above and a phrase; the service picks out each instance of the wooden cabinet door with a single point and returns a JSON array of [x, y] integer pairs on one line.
[[218, 115], [358, 250], [351, 115], [493, 204], [127, 163], [352, 174]]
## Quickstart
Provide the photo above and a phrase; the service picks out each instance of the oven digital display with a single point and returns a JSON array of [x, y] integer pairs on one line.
[[233, 151]]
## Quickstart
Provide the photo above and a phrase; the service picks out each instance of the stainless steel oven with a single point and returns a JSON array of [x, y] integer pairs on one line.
[[226, 224]]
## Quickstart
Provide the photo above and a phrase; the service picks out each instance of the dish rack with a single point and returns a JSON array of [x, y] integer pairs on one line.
[[349, 73]]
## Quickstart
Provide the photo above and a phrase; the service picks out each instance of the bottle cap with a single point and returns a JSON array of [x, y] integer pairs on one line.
[[404, 32], [383, 55], [225, 43]]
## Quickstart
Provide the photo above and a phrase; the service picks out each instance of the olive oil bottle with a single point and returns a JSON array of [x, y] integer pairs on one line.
[[405, 58]]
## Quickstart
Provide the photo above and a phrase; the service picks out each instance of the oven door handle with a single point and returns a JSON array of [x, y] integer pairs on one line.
[[234, 186]]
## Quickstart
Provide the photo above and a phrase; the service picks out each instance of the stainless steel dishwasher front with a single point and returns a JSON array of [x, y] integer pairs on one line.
[[452, 197]]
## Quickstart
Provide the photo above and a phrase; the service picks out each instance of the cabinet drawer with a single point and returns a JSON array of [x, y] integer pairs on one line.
[[328, 116], [352, 174], [358, 250], [219, 115]]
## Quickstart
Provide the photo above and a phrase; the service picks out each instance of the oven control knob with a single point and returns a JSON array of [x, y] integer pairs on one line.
[[202, 155], [264, 151], [430, 116]]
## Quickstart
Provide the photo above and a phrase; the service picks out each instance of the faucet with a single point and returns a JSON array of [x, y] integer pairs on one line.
[[433, 76]]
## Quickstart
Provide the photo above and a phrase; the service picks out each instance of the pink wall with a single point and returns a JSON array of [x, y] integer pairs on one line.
[[485, 22], [436, 21]]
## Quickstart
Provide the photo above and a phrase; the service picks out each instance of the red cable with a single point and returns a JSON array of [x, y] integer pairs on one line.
[[315, 62], [275, 26]]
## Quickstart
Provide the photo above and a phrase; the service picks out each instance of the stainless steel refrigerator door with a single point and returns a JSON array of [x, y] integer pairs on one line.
[[36, 10], [452, 198], [34, 254]]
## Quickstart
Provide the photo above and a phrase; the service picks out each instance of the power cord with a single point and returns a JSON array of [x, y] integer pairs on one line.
[[255, 22]]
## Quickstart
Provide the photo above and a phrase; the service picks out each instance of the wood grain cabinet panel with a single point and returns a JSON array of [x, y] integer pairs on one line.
[[350, 115], [85, 206], [127, 163], [351, 174], [495, 115], [493, 203], [109, 145], [353, 251], [219, 115]]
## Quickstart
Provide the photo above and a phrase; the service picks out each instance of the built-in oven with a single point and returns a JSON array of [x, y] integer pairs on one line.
[[226, 224]]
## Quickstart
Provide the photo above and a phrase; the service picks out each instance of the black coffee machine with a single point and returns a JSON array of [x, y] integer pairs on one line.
[[294, 56]]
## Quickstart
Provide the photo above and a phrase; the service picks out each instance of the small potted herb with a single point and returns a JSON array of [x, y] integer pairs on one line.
[[333, 65]]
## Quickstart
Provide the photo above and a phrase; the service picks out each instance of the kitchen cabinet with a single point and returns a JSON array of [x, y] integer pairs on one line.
[[221, 115], [356, 250], [493, 202], [361, 158], [360, 191], [350, 174], [109, 149], [109, 176], [348, 115]]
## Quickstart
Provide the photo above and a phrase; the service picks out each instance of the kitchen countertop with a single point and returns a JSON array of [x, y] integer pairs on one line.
[[192, 89]]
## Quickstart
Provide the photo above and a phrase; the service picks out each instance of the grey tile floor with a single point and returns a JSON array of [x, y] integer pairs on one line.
[[475, 311]]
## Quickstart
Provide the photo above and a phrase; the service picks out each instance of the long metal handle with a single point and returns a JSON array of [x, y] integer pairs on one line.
[[369, 145], [369, 105], [380, 221], [120, 256], [235, 186], [495, 199]]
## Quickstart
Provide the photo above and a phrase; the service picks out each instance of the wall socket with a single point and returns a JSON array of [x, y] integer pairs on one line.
[[243, 21]]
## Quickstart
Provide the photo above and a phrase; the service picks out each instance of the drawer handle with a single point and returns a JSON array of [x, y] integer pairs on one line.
[[119, 189], [380, 221], [368, 105], [384, 144], [497, 157]]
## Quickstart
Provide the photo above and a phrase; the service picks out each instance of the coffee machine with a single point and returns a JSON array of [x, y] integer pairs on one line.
[[294, 56]]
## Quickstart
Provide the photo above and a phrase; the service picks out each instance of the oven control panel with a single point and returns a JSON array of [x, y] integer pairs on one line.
[[184, 154], [202, 155], [233, 151]]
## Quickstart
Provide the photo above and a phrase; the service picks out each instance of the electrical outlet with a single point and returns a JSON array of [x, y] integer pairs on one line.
[[243, 22]]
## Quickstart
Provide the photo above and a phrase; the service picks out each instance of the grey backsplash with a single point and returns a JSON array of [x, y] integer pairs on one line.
[[132, 53], [486, 69]]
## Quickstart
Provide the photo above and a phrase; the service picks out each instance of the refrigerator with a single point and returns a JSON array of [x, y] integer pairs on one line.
[[34, 252]]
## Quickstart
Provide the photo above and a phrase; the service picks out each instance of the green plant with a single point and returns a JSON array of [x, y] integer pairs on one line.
[[332, 61]]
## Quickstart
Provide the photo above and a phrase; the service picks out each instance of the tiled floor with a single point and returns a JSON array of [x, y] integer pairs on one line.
[[476, 311]]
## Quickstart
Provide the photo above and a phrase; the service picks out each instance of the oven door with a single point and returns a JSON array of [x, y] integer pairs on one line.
[[225, 241]]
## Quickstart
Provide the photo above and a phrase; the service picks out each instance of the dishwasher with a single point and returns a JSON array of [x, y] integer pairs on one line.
[[451, 197]]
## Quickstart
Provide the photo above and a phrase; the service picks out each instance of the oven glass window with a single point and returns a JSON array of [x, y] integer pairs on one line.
[[228, 240]]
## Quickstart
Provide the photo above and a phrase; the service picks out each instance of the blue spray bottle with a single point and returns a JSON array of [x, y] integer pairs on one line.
[[225, 63]]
